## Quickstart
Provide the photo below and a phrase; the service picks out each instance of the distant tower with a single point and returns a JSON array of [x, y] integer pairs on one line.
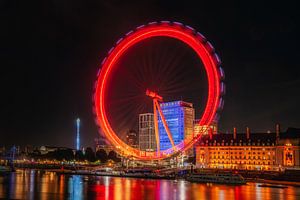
[[77, 134]]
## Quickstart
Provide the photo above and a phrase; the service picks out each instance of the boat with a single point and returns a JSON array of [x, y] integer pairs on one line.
[[219, 178], [272, 186]]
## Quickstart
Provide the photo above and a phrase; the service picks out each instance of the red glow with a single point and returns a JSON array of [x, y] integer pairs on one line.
[[203, 50], [153, 95]]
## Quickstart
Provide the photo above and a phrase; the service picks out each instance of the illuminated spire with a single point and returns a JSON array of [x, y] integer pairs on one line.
[[77, 134]]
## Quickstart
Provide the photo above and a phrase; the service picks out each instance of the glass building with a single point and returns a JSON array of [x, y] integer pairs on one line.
[[180, 117], [147, 141]]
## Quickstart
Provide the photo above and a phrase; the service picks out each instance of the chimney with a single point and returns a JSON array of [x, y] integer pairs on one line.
[[277, 130], [210, 133], [234, 133], [248, 133]]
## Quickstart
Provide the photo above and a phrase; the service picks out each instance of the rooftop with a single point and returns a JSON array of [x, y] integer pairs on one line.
[[291, 133], [176, 104]]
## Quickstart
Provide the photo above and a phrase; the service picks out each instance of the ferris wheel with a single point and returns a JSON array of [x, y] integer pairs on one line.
[[215, 88]]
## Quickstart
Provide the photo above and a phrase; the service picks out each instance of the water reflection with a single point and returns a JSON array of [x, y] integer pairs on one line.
[[30, 184], [76, 187]]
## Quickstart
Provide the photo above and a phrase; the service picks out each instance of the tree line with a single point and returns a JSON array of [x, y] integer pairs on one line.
[[69, 155]]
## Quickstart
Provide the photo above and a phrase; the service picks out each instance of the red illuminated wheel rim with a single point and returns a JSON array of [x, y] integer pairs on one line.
[[200, 46]]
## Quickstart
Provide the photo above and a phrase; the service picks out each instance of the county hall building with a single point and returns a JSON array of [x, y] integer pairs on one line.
[[250, 151]]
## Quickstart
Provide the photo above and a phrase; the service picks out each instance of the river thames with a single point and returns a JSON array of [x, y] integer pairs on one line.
[[32, 184]]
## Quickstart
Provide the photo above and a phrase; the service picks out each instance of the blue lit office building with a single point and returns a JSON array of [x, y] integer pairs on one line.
[[180, 116]]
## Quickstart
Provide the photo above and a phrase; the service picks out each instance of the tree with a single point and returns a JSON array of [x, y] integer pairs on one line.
[[63, 154], [101, 155], [112, 155], [89, 154], [79, 155]]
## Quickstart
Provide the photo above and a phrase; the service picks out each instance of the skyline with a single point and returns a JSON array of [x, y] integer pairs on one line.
[[51, 57]]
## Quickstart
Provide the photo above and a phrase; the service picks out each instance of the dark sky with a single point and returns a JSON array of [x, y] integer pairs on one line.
[[50, 52]]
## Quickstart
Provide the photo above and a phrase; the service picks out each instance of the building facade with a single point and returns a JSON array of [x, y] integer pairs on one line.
[[204, 130], [180, 117], [147, 141], [249, 151], [288, 149], [132, 138], [102, 143]]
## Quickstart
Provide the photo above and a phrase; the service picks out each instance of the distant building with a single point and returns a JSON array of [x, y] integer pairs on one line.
[[48, 149], [132, 138], [100, 140], [28, 149], [180, 117], [147, 141], [17, 150], [107, 148], [250, 151], [204, 130], [2, 150], [102, 143]]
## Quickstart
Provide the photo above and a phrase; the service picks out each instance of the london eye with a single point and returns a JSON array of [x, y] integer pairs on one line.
[[128, 82]]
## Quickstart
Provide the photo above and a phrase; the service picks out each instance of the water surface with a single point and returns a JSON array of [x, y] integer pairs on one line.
[[32, 184]]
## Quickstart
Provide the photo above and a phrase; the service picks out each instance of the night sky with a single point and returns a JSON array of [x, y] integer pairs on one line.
[[50, 52]]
